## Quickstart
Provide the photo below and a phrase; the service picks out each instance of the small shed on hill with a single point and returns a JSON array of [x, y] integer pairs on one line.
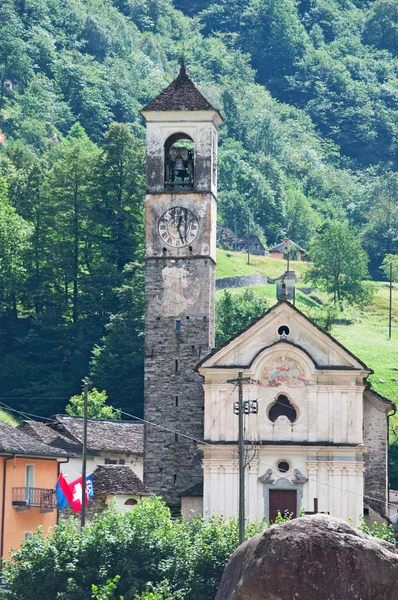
[[250, 243], [116, 483], [226, 238], [286, 249]]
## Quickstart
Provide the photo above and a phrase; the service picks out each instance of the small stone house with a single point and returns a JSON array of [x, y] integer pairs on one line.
[[251, 244], [115, 484], [192, 501], [280, 251], [108, 442], [225, 238]]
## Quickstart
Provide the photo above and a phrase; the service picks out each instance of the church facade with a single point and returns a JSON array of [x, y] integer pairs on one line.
[[318, 431]]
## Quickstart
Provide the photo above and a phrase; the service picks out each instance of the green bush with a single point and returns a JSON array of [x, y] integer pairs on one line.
[[117, 555]]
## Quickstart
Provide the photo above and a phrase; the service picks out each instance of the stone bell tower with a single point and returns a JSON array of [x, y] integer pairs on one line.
[[182, 130]]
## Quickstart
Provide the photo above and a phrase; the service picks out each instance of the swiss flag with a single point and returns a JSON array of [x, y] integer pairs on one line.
[[76, 493]]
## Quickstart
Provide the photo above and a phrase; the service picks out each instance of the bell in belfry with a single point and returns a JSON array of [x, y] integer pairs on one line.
[[179, 167]]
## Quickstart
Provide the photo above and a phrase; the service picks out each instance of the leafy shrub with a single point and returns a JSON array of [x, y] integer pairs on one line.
[[117, 555]]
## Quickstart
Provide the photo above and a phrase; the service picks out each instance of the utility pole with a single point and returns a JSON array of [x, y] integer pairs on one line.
[[390, 308], [240, 410], [84, 457]]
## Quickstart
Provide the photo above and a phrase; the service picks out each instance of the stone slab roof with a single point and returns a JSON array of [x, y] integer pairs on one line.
[[45, 434], [287, 275], [181, 94], [103, 435], [118, 479], [14, 440]]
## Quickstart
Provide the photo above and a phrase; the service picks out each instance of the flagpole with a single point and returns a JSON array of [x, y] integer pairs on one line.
[[84, 457]]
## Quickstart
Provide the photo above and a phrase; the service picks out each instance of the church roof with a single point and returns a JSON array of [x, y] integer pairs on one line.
[[294, 309], [181, 94]]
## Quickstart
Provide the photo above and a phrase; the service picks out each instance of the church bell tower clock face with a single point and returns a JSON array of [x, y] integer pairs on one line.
[[178, 227]]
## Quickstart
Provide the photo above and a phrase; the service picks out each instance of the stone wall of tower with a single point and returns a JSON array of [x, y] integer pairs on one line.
[[177, 289]]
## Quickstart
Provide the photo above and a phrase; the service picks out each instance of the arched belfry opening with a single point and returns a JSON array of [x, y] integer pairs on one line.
[[179, 158], [282, 407]]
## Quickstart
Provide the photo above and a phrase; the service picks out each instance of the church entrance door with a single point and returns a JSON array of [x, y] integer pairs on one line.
[[284, 501]]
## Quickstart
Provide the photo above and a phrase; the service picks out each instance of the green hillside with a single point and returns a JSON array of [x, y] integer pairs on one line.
[[231, 264], [364, 331], [308, 90]]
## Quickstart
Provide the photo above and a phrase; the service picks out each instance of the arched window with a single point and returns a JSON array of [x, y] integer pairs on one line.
[[131, 502], [179, 156], [282, 407]]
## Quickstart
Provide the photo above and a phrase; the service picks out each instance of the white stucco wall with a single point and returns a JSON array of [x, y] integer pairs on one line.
[[73, 469], [119, 501], [334, 476], [191, 506], [324, 445]]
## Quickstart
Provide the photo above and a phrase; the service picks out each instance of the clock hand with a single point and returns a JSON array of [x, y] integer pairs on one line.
[[178, 227]]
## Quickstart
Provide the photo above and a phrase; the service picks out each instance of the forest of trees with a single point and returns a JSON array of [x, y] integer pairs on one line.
[[309, 90]]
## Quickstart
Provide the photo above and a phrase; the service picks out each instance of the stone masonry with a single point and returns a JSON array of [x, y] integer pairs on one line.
[[179, 289], [174, 390]]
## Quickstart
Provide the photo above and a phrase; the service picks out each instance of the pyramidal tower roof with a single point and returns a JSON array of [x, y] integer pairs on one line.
[[181, 94]]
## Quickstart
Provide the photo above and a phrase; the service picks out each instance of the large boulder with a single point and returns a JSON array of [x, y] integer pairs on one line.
[[311, 558]]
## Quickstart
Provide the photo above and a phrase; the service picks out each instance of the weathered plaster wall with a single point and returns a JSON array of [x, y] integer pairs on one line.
[[197, 125], [73, 469], [191, 506], [375, 439], [333, 475], [203, 206]]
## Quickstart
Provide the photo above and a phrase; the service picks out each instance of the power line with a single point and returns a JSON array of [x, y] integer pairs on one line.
[[213, 445], [236, 455]]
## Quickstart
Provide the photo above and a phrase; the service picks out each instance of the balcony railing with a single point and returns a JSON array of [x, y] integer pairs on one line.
[[24, 498]]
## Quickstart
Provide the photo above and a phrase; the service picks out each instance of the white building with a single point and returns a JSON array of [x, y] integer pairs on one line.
[[108, 442], [319, 431]]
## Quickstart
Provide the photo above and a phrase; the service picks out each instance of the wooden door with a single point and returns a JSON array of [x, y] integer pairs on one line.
[[284, 501]]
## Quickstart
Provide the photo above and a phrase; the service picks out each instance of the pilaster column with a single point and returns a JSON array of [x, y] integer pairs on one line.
[[312, 472], [352, 498], [337, 491], [251, 490]]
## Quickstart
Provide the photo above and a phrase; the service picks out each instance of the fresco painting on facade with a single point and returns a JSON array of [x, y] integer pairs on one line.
[[285, 371]]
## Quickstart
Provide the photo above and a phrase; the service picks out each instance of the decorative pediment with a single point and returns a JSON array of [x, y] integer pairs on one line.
[[286, 325]]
